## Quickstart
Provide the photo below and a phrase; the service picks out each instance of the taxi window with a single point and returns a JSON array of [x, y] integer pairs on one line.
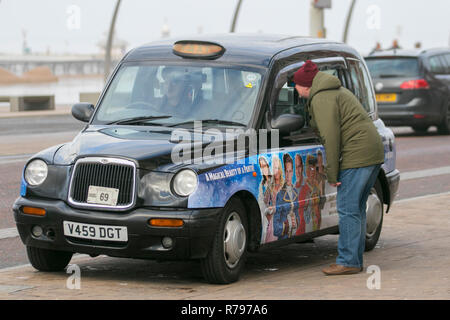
[[289, 102], [123, 89], [181, 93], [362, 87]]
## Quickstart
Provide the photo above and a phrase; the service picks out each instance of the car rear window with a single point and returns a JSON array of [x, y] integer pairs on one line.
[[393, 67]]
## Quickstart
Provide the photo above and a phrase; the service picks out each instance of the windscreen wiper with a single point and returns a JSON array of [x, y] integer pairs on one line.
[[211, 121], [138, 120]]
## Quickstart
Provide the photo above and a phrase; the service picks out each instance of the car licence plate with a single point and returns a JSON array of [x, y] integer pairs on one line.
[[386, 97], [102, 195], [95, 232]]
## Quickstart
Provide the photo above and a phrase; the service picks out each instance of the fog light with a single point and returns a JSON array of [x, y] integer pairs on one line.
[[37, 231], [167, 242]]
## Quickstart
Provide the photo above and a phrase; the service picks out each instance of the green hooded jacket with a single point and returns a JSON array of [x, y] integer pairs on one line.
[[348, 134]]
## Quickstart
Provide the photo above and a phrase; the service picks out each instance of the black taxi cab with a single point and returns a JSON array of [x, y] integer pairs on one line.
[[186, 155]]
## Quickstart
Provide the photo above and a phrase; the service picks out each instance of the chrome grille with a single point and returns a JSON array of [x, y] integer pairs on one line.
[[103, 172]]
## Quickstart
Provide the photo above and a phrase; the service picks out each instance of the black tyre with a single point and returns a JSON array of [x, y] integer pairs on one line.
[[48, 260], [374, 216], [444, 127], [420, 129], [228, 252]]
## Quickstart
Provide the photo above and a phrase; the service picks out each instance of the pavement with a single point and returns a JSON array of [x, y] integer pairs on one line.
[[411, 261]]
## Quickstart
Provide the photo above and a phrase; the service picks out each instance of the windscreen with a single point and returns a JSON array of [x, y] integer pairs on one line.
[[174, 94], [393, 67]]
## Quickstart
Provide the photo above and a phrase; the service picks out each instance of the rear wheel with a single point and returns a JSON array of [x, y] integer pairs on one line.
[[48, 260], [226, 257], [444, 127], [374, 216]]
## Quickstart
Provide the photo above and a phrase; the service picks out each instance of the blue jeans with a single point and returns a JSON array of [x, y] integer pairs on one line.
[[352, 197]]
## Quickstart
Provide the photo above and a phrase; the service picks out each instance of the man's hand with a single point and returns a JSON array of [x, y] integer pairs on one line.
[[337, 184]]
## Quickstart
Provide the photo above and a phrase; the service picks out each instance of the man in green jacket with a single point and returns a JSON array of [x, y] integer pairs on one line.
[[354, 153]]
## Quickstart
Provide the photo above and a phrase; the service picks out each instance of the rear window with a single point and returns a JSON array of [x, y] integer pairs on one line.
[[393, 67]]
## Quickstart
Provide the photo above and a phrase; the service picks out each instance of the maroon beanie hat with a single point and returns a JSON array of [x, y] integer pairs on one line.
[[305, 75]]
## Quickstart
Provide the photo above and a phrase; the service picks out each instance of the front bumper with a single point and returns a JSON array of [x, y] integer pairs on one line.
[[191, 241]]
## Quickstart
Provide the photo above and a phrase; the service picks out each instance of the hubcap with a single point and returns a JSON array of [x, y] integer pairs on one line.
[[234, 239], [374, 213]]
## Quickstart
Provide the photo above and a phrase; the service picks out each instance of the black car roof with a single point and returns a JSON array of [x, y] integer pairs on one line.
[[407, 53], [256, 49]]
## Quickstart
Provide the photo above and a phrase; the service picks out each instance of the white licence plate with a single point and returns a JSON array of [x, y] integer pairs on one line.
[[95, 232], [102, 195]]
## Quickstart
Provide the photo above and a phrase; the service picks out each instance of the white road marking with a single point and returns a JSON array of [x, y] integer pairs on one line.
[[424, 173], [14, 158], [8, 233], [422, 197]]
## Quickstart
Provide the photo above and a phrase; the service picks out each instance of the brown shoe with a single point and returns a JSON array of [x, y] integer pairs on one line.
[[336, 269]]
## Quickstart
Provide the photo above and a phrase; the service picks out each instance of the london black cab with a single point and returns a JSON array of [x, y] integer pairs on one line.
[[188, 153]]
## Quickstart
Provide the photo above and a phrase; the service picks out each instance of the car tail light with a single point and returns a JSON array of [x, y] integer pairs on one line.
[[415, 84]]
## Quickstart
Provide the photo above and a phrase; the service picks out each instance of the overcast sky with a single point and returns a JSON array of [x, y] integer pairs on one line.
[[54, 24]]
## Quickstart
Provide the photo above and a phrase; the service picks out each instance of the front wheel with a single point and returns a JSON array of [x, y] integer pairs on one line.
[[374, 216], [48, 260], [226, 257]]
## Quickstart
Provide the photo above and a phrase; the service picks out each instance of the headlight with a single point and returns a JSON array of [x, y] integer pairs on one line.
[[185, 182], [36, 172]]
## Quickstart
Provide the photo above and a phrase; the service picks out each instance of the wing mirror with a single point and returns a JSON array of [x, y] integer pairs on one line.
[[83, 111], [287, 123]]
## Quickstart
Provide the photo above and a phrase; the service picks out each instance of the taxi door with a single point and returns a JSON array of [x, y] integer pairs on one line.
[[296, 198]]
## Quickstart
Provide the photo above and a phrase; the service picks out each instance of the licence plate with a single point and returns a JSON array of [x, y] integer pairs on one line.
[[95, 232], [386, 97], [102, 195]]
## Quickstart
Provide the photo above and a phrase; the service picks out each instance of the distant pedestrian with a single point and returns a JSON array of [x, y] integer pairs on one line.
[[354, 154], [395, 45], [377, 48]]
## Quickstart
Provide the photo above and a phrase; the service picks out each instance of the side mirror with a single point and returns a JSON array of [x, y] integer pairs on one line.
[[83, 111], [287, 123]]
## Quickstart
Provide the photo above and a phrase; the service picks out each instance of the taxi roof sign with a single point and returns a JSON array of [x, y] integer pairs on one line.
[[198, 49]]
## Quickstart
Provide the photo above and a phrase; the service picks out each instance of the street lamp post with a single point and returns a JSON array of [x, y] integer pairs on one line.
[[347, 22], [316, 18], [110, 41], [236, 13]]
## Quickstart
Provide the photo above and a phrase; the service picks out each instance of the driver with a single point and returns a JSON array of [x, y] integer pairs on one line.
[[178, 93]]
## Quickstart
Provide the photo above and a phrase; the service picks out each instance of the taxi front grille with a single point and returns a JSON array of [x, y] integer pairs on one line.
[[103, 172]]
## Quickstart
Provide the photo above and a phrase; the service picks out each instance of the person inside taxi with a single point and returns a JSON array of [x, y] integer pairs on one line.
[[354, 154], [180, 93]]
